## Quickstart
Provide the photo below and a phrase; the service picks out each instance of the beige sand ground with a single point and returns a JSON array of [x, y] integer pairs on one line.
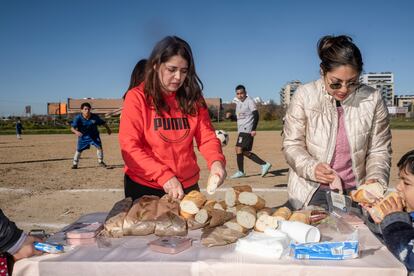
[[39, 189]]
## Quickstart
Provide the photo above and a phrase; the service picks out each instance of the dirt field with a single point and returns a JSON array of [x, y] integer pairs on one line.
[[39, 189]]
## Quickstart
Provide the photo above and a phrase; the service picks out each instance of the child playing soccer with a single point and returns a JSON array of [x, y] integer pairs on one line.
[[85, 126], [397, 226]]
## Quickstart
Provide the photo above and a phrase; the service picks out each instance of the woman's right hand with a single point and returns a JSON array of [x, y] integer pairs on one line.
[[324, 174], [27, 249], [174, 188]]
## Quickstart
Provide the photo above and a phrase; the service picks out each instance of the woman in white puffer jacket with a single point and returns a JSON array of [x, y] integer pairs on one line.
[[335, 128]]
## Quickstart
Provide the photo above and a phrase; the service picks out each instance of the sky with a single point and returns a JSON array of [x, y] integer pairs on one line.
[[54, 50]]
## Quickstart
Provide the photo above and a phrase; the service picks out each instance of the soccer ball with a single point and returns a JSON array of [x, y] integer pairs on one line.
[[223, 137]]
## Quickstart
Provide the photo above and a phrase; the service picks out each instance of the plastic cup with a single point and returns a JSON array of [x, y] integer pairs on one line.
[[300, 232]]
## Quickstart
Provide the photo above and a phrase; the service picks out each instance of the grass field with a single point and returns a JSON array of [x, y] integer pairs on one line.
[[396, 123]]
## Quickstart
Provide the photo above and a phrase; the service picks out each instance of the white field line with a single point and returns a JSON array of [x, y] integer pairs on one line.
[[16, 191], [42, 225]]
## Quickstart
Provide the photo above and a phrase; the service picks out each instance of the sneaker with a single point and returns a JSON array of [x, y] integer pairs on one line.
[[102, 164], [74, 166], [265, 168], [238, 174]]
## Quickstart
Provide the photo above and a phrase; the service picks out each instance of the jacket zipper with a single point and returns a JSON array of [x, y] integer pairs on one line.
[[334, 131], [350, 146]]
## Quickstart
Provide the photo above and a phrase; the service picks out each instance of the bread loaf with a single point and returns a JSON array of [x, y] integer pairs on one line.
[[300, 216], [232, 195], [232, 224], [251, 199], [192, 202], [115, 219], [376, 210], [221, 205], [368, 193], [234, 209], [282, 213], [265, 221], [266, 210], [246, 217], [186, 215], [212, 183], [219, 217], [204, 214]]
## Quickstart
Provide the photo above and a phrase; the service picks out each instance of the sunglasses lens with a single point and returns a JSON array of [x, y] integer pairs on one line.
[[335, 86]]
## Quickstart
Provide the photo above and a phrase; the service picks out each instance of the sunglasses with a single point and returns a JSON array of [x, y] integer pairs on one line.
[[338, 85]]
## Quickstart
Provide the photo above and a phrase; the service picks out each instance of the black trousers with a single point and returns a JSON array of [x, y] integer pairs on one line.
[[135, 190]]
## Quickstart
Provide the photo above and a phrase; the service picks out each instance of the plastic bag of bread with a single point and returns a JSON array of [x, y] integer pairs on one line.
[[220, 235], [170, 224], [368, 193], [140, 219], [192, 224], [167, 204], [115, 219]]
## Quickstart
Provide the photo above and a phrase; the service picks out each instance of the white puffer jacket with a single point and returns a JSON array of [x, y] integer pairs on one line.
[[310, 129]]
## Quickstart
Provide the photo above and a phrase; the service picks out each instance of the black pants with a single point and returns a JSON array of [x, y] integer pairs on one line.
[[136, 190]]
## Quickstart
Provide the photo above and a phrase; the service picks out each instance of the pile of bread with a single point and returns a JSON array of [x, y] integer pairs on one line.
[[226, 220], [373, 195]]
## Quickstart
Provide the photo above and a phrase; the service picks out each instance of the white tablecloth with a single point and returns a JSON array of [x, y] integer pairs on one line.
[[131, 256]]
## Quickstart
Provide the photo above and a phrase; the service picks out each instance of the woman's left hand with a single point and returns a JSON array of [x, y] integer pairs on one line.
[[218, 169], [370, 181]]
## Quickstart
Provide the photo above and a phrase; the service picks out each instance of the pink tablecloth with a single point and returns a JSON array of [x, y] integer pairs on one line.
[[131, 256]]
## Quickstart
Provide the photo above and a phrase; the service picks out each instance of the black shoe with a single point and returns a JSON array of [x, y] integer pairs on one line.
[[102, 164], [74, 166]]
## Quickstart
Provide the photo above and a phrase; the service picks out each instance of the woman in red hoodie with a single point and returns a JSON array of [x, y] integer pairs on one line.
[[160, 120]]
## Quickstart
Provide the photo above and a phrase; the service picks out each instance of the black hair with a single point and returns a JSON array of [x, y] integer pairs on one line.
[[189, 96], [406, 162], [137, 75], [335, 51], [240, 86], [86, 104]]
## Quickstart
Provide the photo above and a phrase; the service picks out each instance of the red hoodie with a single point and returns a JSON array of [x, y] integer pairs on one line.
[[157, 148]]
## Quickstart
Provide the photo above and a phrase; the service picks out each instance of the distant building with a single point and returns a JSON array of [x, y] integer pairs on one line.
[[99, 106], [212, 103], [287, 92], [405, 101], [384, 82], [56, 109]]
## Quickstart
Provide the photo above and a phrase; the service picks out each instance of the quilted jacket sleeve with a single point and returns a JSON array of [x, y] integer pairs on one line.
[[294, 138], [378, 160]]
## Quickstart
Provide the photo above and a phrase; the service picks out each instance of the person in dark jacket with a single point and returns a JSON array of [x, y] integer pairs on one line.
[[14, 242], [19, 128], [397, 226]]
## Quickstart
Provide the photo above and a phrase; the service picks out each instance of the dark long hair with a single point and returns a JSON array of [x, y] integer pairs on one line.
[[406, 162], [335, 51], [189, 95], [137, 75]]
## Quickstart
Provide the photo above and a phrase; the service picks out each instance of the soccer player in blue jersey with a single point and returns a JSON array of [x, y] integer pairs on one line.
[[85, 126]]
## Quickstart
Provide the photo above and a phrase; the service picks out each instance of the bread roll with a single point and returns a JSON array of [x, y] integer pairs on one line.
[[232, 195], [368, 193], [212, 183], [303, 217], [283, 213], [232, 224], [265, 221], [192, 202], [186, 215], [246, 217], [266, 210], [376, 210], [251, 199]]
